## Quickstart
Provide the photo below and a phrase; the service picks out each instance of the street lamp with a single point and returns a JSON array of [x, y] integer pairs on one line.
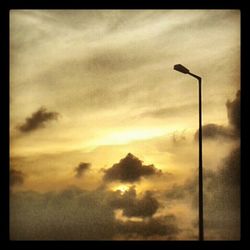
[[182, 69]]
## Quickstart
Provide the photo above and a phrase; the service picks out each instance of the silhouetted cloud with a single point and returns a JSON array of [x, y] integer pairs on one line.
[[37, 120], [71, 214], [213, 131], [16, 177], [76, 214], [81, 168], [222, 197], [221, 189], [233, 112], [230, 170], [227, 176], [133, 206], [129, 169]]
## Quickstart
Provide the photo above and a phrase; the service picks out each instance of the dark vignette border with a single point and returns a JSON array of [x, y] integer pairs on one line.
[[107, 4]]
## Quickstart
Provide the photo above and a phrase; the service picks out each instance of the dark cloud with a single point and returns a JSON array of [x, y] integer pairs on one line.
[[227, 176], [135, 207], [81, 169], [129, 169], [71, 214], [213, 131], [230, 170], [75, 214], [233, 112], [16, 177], [222, 187], [232, 131], [37, 120], [221, 197]]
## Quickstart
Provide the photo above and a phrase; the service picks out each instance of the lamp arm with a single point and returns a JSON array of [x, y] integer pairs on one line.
[[195, 76]]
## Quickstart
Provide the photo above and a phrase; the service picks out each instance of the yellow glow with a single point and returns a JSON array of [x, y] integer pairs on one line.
[[119, 216], [123, 137], [123, 188]]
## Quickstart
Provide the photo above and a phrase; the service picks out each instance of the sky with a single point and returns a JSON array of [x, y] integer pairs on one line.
[[103, 131]]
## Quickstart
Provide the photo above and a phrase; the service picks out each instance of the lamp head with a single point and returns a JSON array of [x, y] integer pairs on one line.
[[181, 68]]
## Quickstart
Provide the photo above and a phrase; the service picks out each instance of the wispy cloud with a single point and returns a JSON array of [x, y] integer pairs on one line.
[[38, 120]]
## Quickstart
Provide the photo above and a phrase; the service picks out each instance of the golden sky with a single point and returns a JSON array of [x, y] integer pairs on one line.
[[87, 87]]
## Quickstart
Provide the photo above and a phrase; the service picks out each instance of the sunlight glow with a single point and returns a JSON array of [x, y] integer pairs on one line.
[[123, 188], [123, 137]]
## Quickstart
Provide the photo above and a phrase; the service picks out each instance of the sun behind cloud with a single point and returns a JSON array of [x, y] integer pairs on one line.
[[121, 187]]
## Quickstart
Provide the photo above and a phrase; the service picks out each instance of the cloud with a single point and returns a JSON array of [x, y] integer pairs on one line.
[[37, 120], [72, 214], [170, 111], [233, 112], [176, 192], [229, 171], [221, 189], [223, 198], [182, 191], [76, 214], [16, 177], [227, 176], [81, 169], [177, 139], [129, 169], [135, 207], [160, 226], [110, 60], [214, 131]]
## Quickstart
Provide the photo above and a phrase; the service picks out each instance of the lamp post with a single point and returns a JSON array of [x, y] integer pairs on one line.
[[184, 70]]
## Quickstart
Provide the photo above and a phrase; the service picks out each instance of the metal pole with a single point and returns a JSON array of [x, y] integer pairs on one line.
[[184, 70], [201, 225]]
